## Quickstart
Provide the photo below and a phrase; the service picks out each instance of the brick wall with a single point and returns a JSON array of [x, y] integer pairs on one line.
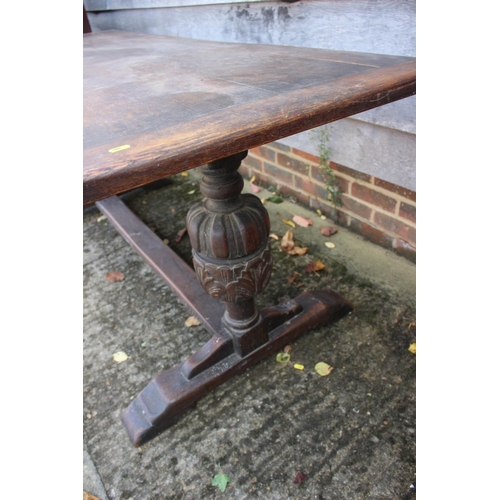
[[378, 210]]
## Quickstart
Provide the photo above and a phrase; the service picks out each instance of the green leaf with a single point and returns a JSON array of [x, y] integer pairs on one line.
[[283, 357], [275, 199], [221, 480]]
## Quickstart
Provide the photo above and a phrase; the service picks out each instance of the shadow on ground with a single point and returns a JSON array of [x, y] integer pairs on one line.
[[352, 433]]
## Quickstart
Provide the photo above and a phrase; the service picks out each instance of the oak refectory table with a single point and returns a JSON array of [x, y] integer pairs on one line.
[[155, 106]]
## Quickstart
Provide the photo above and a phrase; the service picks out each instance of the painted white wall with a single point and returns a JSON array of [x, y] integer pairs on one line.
[[380, 142]]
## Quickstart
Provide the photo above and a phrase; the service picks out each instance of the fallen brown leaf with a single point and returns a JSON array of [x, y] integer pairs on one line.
[[299, 251], [315, 266], [288, 244], [114, 276], [180, 234], [302, 221], [88, 496], [328, 230], [299, 478], [293, 277], [274, 236]]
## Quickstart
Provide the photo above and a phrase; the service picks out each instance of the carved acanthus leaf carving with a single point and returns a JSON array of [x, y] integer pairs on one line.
[[235, 282]]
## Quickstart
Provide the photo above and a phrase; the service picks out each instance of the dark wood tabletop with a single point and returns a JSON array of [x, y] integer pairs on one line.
[[158, 105]]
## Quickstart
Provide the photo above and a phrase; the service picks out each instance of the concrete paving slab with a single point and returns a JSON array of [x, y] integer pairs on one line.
[[352, 433]]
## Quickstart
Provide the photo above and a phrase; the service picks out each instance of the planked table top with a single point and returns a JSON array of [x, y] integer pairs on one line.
[[158, 105]]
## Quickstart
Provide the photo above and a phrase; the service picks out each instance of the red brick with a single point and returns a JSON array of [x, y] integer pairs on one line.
[[300, 197], [293, 164], [252, 162], [374, 197], [303, 184], [341, 218], [263, 180], [281, 147], [278, 174], [307, 156], [350, 172], [396, 226], [357, 208], [326, 209], [401, 191], [318, 175], [320, 191], [265, 152], [370, 232], [405, 249], [343, 184], [408, 212]]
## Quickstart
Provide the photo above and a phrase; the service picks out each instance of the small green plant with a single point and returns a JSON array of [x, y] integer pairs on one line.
[[321, 136]]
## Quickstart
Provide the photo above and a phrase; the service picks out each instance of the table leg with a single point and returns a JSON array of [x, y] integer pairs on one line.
[[232, 260]]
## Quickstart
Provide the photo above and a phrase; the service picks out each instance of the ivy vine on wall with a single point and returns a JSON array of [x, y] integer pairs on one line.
[[321, 137]]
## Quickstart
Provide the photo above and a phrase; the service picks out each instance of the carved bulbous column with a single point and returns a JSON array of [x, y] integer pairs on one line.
[[231, 253]]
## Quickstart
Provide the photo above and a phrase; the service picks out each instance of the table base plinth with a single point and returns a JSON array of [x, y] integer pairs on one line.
[[160, 404]]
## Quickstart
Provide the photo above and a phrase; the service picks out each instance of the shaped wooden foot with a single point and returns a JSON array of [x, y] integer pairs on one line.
[[174, 391]]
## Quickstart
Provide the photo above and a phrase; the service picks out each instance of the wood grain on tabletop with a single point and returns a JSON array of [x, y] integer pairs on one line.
[[163, 104]]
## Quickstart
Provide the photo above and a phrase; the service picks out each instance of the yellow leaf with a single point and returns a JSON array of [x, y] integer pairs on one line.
[[298, 367], [120, 356], [323, 369], [185, 174], [329, 244], [192, 321], [413, 348], [283, 358], [315, 266], [253, 179], [289, 223]]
